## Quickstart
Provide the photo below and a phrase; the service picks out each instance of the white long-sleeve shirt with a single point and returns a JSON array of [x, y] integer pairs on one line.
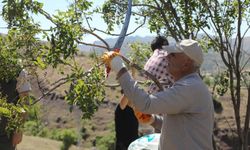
[[187, 110]]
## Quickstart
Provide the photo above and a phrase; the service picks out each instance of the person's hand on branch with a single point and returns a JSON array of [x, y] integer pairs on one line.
[[112, 61]]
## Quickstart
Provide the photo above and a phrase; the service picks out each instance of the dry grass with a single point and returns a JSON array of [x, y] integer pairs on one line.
[[37, 143]]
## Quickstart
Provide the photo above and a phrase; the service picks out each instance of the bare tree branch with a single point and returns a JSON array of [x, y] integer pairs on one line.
[[144, 21], [90, 28], [47, 15], [244, 34], [89, 44], [244, 65], [97, 36]]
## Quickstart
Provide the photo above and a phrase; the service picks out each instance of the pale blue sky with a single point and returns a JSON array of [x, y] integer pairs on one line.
[[52, 5]]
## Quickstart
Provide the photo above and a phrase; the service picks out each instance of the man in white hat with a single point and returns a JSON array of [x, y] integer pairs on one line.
[[187, 106]]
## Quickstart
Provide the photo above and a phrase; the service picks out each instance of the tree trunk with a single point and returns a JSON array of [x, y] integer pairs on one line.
[[246, 127]]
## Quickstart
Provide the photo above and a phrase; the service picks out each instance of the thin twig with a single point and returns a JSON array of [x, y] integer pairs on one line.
[[97, 36], [89, 44]]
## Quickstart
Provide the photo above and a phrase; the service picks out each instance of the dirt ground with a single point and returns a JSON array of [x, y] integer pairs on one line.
[[225, 126]]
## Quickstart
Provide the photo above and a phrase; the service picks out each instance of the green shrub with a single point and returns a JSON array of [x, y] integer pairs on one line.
[[34, 112], [68, 137], [208, 80], [93, 55], [106, 142], [35, 128]]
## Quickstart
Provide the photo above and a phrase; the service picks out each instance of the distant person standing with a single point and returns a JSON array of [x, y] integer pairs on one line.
[[13, 90], [157, 64]]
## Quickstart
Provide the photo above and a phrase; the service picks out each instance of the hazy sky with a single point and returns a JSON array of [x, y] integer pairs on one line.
[[52, 5]]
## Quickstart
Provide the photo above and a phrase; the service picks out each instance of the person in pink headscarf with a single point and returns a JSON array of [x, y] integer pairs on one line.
[[157, 64]]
